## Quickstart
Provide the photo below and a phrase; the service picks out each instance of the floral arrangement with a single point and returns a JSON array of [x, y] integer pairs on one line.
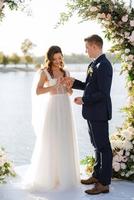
[[6, 166], [90, 71], [123, 153], [117, 20]]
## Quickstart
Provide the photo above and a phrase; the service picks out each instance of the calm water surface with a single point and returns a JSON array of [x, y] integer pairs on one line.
[[16, 133]]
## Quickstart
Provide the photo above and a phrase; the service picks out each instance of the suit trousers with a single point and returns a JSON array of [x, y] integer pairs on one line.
[[99, 135]]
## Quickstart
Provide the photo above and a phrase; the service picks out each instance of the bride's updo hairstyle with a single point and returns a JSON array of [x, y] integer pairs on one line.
[[49, 59]]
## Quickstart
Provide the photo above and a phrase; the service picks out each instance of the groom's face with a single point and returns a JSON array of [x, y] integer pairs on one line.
[[90, 49]]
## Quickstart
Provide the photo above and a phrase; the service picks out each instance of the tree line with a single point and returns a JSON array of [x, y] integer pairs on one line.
[[29, 58]]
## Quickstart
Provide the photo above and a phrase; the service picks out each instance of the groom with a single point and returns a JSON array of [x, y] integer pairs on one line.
[[97, 110]]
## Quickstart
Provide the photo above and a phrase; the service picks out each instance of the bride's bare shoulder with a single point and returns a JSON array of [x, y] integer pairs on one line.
[[67, 73], [43, 75]]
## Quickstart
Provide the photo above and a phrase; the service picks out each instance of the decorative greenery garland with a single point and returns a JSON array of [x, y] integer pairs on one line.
[[118, 23]]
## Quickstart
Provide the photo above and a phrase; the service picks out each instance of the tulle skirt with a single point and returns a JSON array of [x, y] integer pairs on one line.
[[55, 159]]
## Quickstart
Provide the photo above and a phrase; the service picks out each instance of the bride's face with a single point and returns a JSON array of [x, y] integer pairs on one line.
[[57, 60]]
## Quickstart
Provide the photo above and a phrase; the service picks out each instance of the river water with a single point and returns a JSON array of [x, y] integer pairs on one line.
[[16, 132]]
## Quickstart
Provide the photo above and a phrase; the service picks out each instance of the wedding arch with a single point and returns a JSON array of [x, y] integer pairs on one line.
[[117, 21]]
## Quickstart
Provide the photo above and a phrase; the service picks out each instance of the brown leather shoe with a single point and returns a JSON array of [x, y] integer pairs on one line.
[[89, 181], [97, 189]]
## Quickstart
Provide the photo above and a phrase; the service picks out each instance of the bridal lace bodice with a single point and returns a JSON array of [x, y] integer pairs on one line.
[[59, 88]]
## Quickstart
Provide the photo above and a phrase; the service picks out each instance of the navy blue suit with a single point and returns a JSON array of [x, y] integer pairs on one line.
[[97, 110]]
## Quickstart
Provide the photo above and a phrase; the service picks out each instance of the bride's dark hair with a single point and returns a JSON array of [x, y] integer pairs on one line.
[[49, 59]]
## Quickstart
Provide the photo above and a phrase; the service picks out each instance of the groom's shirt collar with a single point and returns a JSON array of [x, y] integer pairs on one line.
[[96, 60]]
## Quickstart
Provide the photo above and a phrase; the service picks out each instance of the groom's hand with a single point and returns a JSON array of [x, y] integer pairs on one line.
[[78, 100], [69, 82]]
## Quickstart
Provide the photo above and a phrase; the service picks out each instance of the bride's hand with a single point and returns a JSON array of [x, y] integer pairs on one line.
[[68, 81], [78, 100], [60, 80]]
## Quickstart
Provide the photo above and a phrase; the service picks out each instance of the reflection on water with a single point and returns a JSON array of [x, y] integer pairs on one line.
[[16, 133]]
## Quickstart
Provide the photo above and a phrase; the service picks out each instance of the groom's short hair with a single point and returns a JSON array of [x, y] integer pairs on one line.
[[96, 39]]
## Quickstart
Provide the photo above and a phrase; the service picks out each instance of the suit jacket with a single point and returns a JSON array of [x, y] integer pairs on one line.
[[97, 104]]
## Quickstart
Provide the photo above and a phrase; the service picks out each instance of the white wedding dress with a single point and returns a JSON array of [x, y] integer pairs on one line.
[[55, 160]]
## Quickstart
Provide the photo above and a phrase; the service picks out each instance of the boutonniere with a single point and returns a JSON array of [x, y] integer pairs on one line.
[[97, 66], [90, 71]]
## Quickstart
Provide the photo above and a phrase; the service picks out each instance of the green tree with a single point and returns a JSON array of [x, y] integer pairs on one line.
[[4, 59], [12, 5], [26, 48], [14, 58], [29, 59], [1, 57]]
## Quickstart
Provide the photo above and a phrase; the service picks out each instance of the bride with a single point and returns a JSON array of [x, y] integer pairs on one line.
[[55, 161]]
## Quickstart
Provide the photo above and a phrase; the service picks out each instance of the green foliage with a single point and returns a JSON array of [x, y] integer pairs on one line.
[[12, 5], [26, 48], [89, 161], [3, 59], [6, 167], [14, 58]]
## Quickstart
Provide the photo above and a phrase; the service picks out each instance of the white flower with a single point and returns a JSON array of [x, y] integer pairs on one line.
[[124, 18], [132, 23], [130, 67], [123, 166], [127, 153], [116, 166], [131, 129], [127, 50], [113, 1], [130, 57], [123, 56], [108, 16], [127, 134], [101, 15], [131, 38], [127, 174], [122, 174], [93, 9], [114, 144], [129, 84], [130, 101], [120, 144], [121, 40], [132, 157], [124, 159], [120, 152], [127, 34], [127, 145], [116, 158]]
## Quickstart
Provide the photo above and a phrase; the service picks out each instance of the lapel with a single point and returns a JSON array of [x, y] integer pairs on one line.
[[98, 60], [94, 65]]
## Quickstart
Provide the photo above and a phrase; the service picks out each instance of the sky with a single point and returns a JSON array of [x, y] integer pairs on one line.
[[39, 28]]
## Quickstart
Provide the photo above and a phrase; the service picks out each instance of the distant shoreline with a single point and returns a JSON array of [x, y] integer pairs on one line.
[[31, 68], [15, 69]]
